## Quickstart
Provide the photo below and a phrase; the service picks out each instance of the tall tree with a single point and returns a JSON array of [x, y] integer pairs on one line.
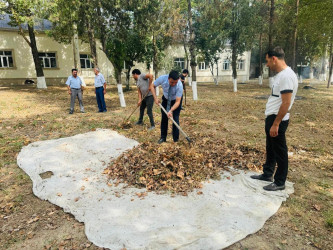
[[65, 20], [241, 30], [29, 13], [192, 42], [209, 34]]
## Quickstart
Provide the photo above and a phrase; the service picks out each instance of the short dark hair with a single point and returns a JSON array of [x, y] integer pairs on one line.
[[74, 70], [136, 72], [185, 71], [277, 52], [174, 75]]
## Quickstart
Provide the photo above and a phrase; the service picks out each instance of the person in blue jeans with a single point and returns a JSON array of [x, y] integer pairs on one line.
[[100, 90], [172, 95]]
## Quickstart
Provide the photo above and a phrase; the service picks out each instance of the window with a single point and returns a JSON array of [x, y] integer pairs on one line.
[[240, 64], [226, 64], [6, 59], [85, 61], [179, 63], [202, 66], [48, 60]]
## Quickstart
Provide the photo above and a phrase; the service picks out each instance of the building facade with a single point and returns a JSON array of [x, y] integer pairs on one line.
[[17, 65]]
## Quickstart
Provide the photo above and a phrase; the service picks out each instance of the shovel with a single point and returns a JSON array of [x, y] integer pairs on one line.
[[180, 129]]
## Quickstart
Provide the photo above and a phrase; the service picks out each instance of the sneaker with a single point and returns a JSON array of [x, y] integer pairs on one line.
[[82, 111], [274, 187], [71, 112], [139, 123], [261, 177], [151, 128], [161, 140]]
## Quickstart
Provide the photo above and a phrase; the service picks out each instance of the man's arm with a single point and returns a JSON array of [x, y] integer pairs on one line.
[[286, 100], [69, 89], [139, 97], [68, 86]]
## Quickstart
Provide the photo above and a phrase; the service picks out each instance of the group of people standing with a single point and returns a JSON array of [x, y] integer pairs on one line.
[[75, 90], [284, 88]]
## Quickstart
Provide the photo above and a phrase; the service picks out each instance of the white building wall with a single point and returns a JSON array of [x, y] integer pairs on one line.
[[204, 75], [24, 67]]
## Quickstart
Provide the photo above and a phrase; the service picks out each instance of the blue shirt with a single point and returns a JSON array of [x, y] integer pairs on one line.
[[99, 80], [74, 82], [175, 91]]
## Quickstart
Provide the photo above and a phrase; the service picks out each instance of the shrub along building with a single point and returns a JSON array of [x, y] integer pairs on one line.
[[17, 65]]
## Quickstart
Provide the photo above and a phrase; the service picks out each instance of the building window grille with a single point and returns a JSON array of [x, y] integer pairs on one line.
[[179, 63], [85, 61], [226, 64], [6, 59], [240, 64], [48, 60]]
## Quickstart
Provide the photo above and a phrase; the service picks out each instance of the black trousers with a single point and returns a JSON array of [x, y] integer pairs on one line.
[[148, 102], [276, 152], [164, 121]]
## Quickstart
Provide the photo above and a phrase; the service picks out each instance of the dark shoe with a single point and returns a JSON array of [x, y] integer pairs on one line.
[[82, 111], [261, 177], [139, 123], [161, 140], [71, 112], [151, 128], [100, 111], [274, 187], [104, 111]]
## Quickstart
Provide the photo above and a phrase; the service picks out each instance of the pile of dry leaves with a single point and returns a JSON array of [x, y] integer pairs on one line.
[[180, 167]]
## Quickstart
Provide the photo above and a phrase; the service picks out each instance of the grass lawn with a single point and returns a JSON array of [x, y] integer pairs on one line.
[[304, 221]]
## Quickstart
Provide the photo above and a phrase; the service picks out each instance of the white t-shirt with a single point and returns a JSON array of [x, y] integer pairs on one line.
[[284, 82]]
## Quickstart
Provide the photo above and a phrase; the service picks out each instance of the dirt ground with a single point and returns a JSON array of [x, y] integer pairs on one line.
[[304, 221]]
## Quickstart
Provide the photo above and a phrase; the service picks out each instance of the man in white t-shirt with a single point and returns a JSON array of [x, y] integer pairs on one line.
[[279, 103]]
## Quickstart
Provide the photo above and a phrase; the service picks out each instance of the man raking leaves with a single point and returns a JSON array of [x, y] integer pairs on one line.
[[170, 107]]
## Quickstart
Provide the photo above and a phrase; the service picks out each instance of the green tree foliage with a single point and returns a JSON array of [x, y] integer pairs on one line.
[[210, 36], [28, 13], [241, 27]]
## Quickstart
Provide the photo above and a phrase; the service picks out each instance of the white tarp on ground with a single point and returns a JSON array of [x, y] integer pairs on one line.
[[115, 217]]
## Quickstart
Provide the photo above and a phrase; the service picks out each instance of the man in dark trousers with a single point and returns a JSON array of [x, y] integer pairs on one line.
[[183, 75], [283, 94], [100, 90], [144, 83], [172, 95]]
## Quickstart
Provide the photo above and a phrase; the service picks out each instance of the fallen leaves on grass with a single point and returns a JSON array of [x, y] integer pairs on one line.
[[180, 167]]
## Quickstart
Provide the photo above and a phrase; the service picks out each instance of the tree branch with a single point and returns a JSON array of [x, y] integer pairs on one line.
[[21, 32]]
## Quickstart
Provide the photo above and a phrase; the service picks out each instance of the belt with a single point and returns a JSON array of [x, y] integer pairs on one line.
[[75, 88], [99, 87]]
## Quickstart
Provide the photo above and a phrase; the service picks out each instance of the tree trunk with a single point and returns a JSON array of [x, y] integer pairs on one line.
[[155, 57], [234, 64], [330, 67], [101, 26], [217, 72], [76, 49], [128, 73], [38, 64], [293, 64], [92, 42], [270, 33], [322, 76], [185, 49], [192, 44], [260, 59]]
